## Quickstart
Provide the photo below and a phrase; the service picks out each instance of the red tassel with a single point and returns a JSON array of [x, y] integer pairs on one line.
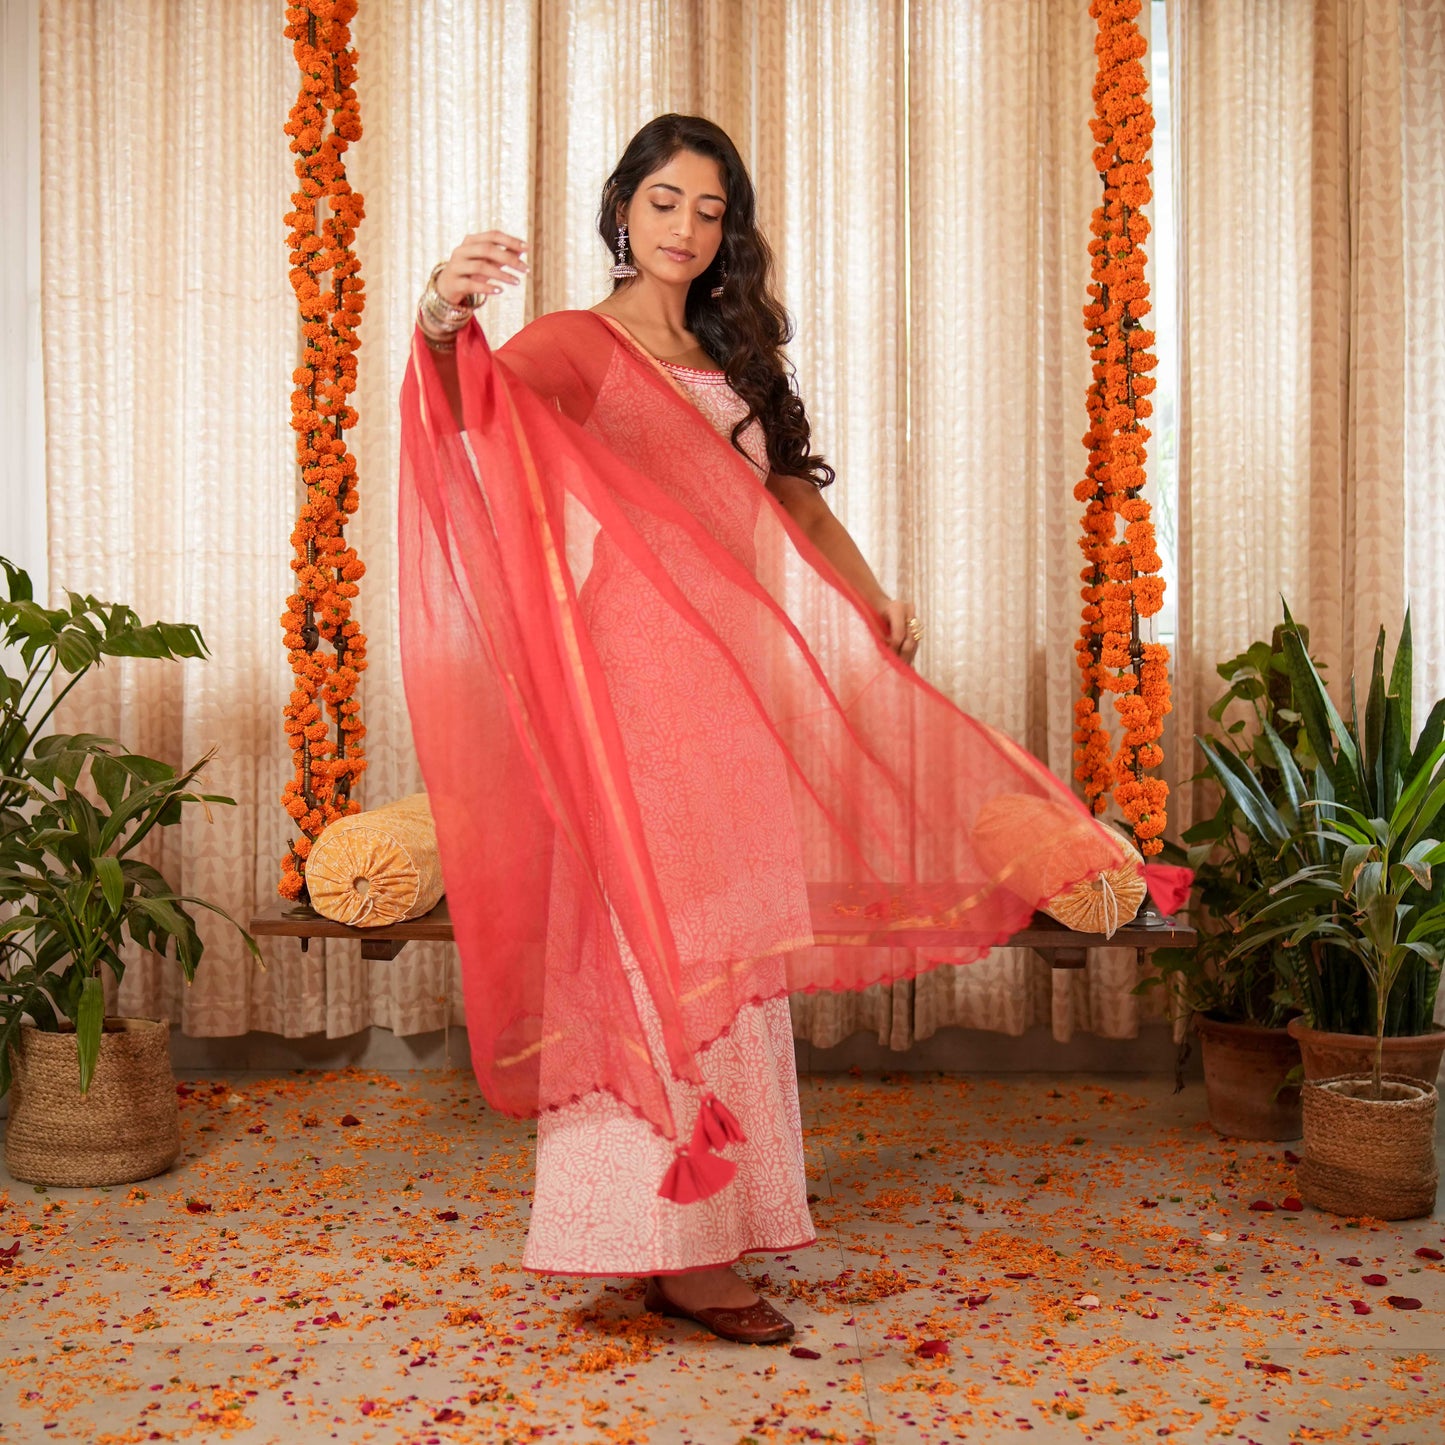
[[717, 1126], [695, 1175], [1168, 886]]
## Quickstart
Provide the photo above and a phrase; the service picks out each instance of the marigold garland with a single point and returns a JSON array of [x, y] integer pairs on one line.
[[323, 122], [1120, 579]]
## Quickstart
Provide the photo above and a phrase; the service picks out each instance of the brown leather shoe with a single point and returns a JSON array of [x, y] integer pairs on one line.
[[755, 1324]]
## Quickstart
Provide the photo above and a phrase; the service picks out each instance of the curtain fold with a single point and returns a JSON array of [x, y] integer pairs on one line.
[[1251, 524], [1293, 445], [1422, 42], [923, 174]]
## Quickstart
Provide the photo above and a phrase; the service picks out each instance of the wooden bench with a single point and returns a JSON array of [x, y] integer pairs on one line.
[[1060, 946]]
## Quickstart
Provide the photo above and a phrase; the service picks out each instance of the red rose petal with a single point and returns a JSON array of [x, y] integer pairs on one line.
[[448, 1214], [1148, 1204], [446, 1415], [1263, 1205], [256, 1129], [1428, 1253], [1290, 1157], [1402, 1302], [1375, 1279], [974, 1300], [1292, 1205], [1351, 1260], [1268, 1366], [1359, 1307], [347, 1120], [930, 1349], [1017, 1274], [802, 1352], [195, 1206]]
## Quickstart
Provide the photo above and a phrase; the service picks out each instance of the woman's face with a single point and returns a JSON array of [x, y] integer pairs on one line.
[[675, 219]]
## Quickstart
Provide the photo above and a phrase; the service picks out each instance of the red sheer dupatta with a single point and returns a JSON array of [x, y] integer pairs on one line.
[[645, 705]]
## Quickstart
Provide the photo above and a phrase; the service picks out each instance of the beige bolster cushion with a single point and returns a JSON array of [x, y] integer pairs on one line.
[[378, 867], [1097, 905]]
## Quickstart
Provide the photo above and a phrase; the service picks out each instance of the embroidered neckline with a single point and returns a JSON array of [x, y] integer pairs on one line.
[[697, 371]]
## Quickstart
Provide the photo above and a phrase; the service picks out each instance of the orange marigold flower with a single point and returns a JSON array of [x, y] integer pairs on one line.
[[325, 646], [1121, 585]]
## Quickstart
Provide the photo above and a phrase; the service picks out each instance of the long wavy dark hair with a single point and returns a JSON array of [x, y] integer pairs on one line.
[[745, 329]]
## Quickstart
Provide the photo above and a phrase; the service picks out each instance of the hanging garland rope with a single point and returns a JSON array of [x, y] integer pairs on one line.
[[323, 122], [1121, 581]]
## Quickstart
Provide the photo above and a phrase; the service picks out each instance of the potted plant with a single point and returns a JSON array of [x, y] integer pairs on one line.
[[1366, 902], [1368, 765], [93, 1098], [1240, 999]]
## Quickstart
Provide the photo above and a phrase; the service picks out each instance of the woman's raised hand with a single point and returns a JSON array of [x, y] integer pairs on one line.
[[902, 638], [480, 265]]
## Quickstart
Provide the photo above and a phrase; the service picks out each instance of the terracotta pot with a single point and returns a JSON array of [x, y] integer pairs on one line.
[[1366, 1156], [1327, 1056], [1244, 1065], [125, 1127]]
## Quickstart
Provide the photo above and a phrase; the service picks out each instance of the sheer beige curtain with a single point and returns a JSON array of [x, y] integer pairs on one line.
[[1312, 406], [170, 337], [1422, 35], [942, 362], [978, 507]]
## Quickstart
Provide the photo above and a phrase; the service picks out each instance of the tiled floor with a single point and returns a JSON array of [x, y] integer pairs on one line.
[[1076, 1260]]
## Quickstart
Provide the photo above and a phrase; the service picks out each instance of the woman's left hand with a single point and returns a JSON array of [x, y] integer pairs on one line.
[[895, 618]]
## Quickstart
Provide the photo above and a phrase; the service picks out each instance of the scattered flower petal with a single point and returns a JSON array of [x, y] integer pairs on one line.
[[1268, 1366]]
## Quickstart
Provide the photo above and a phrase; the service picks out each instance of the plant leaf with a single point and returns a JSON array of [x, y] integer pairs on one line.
[[112, 881], [109, 778], [89, 1023], [1330, 740], [1427, 745], [1373, 758], [1401, 673], [1355, 858], [1245, 792]]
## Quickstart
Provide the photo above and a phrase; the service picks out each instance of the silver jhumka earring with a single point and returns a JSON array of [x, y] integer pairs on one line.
[[624, 270]]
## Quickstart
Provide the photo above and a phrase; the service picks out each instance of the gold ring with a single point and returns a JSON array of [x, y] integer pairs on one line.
[[915, 628]]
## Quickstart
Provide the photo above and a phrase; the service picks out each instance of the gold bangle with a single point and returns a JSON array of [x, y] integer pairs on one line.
[[446, 312]]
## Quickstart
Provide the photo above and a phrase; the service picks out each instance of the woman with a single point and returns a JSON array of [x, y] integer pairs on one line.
[[679, 763]]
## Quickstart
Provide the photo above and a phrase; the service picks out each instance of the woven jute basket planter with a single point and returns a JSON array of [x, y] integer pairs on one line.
[[1369, 1156], [1244, 1068], [127, 1126]]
